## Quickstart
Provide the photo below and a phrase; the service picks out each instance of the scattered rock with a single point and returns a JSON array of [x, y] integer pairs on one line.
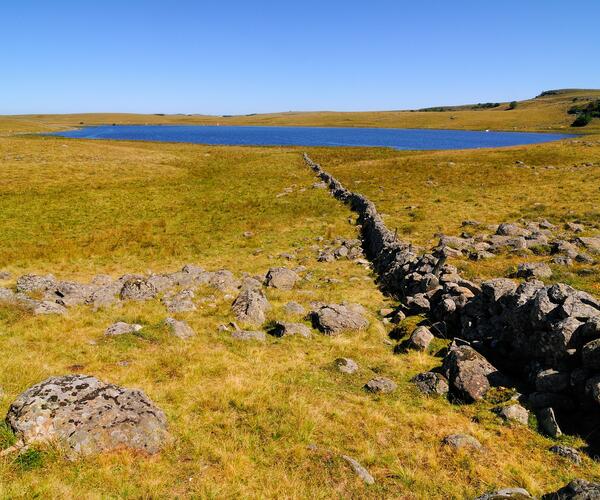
[[179, 302], [514, 413], [248, 335], [567, 452], [359, 470], [420, 339], [294, 308], [88, 415], [462, 442], [282, 278], [121, 328], [179, 328], [431, 383], [578, 489], [507, 494], [284, 329], [333, 319], [346, 365], [381, 385], [137, 289], [250, 306], [469, 373], [44, 307], [537, 270], [5, 275], [33, 283]]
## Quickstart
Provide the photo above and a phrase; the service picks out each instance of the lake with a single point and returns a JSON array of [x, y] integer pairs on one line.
[[421, 139]]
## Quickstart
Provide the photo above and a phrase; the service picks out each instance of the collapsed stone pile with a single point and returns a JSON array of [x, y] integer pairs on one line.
[[546, 338]]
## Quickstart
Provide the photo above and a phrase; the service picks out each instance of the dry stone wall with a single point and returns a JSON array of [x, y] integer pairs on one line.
[[546, 337]]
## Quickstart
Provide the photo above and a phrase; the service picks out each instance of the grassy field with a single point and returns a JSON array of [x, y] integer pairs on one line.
[[543, 113], [243, 415]]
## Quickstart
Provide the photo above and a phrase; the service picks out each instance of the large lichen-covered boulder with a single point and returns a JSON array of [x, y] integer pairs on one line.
[[88, 416], [282, 278]]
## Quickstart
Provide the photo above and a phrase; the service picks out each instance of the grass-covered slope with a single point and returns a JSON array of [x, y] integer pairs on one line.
[[546, 112], [243, 415]]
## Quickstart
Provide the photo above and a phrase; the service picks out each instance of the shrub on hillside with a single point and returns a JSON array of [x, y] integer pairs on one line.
[[581, 120], [512, 105]]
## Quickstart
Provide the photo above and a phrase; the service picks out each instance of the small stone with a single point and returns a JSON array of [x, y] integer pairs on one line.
[[248, 335], [346, 365], [4, 275], [284, 329], [420, 339], [121, 328], [507, 494], [359, 470], [462, 442], [430, 383], [294, 308], [381, 385], [567, 452], [514, 413], [179, 328]]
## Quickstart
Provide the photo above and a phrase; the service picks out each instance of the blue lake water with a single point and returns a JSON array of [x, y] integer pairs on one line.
[[313, 136]]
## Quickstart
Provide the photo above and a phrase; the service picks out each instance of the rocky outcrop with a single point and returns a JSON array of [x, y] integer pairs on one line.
[[282, 278], [88, 416]]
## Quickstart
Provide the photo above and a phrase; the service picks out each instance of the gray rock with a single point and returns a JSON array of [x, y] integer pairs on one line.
[[137, 289], [333, 319], [7, 295], [514, 413], [499, 287], [420, 339], [248, 335], [381, 385], [69, 293], [507, 494], [121, 328], [284, 329], [537, 270], [578, 489], [180, 302], [346, 365], [359, 470], [103, 297], [88, 416], [44, 307], [294, 308], [179, 328], [548, 423], [431, 383], [34, 283], [5, 275], [281, 278], [592, 244], [506, 229], [250, 306], [462, 442], [567, 452], [223, 280], [574, 227]]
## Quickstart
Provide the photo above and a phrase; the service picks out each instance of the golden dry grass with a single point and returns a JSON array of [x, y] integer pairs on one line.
[[242, 415]]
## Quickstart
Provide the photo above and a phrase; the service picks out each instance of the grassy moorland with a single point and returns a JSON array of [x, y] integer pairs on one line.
[[243, 415], [542, 113]]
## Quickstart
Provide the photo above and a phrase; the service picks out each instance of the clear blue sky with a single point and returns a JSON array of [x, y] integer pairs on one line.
[[230, 57]]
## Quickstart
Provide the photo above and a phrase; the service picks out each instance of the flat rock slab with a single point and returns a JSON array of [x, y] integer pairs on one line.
[[88, 416], [248, 335], [285, 329], [346, 365], [462, 441], [359, 470]]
